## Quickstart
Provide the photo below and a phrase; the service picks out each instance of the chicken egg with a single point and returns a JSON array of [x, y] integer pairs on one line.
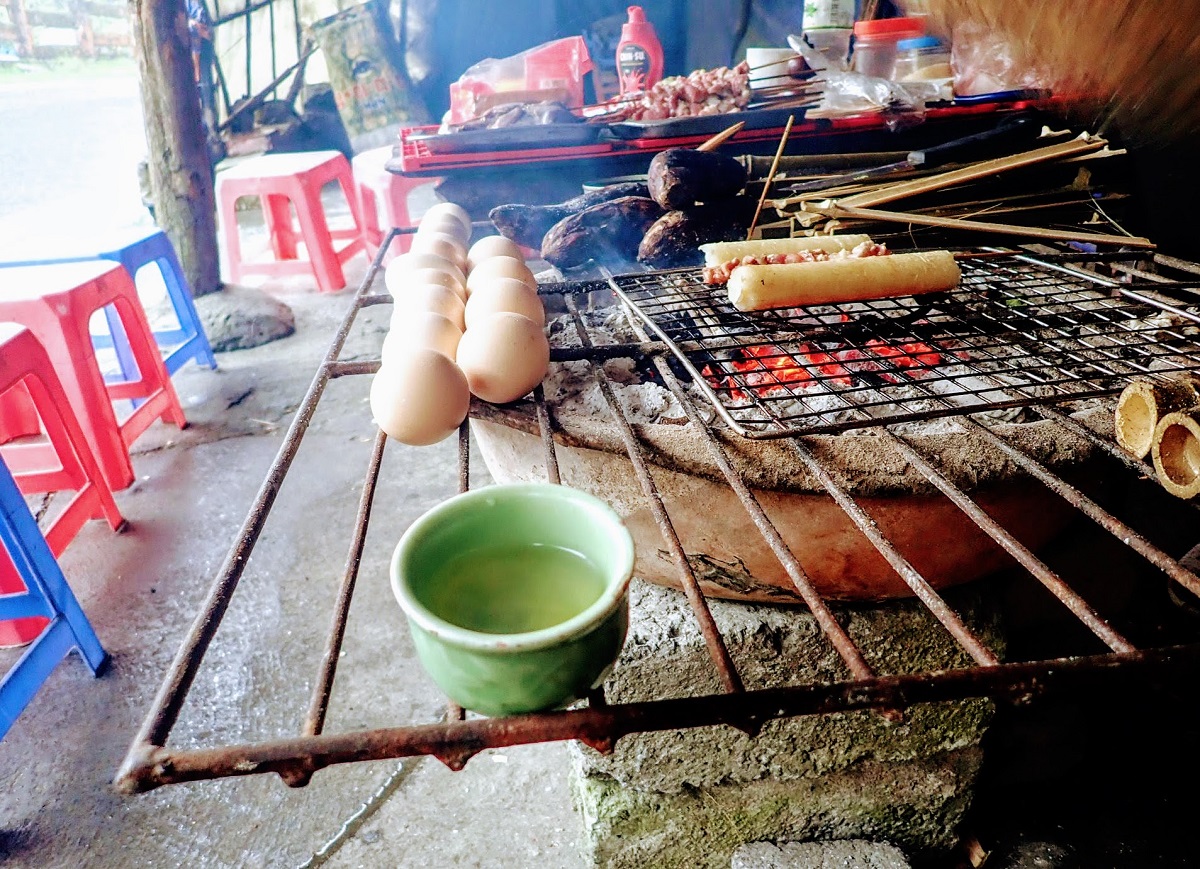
[[444, 223], [492, 245], [504, 294], [430, 297], [420, 329], [442, 244], [436, 276], [395, 274], [420, 397], [450, 209], [500, 267], [503, 356]]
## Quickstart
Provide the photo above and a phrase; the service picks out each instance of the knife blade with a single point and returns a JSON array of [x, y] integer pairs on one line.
[[978, 146]]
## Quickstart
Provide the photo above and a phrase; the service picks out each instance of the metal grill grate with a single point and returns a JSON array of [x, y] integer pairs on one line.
[[1064, 310], [1017, 332]]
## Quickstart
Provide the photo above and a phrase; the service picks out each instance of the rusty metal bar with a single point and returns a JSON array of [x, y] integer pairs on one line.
[[1024, 556], [1017, 682], [911, 576], [547, 434], [1095, 512], [836, 634], [726, 669], [164, 710], [314, 722]]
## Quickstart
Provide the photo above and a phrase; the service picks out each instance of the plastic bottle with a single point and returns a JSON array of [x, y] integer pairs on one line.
[[639, 54]]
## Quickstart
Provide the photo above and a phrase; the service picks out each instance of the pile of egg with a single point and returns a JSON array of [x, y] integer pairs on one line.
[[465, 321]]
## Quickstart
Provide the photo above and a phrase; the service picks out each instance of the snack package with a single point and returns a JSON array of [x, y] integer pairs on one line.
[[550, 72]]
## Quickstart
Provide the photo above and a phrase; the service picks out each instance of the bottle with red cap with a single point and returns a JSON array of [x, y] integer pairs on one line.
[[639, 54]]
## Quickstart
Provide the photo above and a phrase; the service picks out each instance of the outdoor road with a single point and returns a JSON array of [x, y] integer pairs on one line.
[[69, 149]]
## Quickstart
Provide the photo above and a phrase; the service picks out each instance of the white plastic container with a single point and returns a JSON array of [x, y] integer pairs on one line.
[[924, 58], [875, 44], [769, 66], [833, 43]]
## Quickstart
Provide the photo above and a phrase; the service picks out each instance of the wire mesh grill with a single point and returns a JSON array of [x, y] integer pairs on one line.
[[1016, 332]]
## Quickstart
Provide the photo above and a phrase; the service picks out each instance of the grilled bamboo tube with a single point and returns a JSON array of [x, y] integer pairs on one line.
[[1176, 452], [1143, 403]]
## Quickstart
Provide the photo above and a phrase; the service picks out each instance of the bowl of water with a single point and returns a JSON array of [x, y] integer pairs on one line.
[[516, 595]]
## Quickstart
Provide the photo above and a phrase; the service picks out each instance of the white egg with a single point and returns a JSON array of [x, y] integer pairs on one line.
[[500, 267], [435, 276], [503, 356], [430, 297], [420, 397], [446, 223], [420, 329], [492, 245], [442, 244], [504, 294], [449, 208], [394, 275]]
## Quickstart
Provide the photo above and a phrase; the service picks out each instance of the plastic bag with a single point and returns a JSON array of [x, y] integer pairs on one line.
[[983, 63], [848, 93], [550, 72]]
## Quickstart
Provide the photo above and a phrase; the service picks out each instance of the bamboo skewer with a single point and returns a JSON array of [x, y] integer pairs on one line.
[[839, 210], [721, 137], [771, 174], [975, 171]]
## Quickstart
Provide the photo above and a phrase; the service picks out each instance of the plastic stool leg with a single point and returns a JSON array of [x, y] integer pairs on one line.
[[228, 197], [196, 345], [46, 591], [326, 267], [278, 216], [165, 402], [120, 344]]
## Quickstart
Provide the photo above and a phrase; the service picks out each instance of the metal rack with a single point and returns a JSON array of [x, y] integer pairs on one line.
[[1017, 331], [1107, 660]]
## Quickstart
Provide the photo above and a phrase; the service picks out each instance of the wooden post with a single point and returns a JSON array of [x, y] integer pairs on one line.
[[20, 20], [181, 175]]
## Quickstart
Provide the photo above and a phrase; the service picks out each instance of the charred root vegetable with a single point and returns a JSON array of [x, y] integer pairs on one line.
[[527, 225], [681, 177], [608, 233], [674, 240]]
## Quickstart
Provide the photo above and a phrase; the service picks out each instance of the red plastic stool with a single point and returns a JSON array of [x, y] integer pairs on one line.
[[24, 365], [56, 302], [280, 179], [383, 200]]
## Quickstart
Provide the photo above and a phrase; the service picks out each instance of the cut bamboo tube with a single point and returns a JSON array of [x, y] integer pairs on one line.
[[837, 209], [1143, 403], [1176, 453]]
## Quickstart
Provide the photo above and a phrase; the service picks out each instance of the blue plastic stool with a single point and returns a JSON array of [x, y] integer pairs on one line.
[[47, 594], [149, 247]]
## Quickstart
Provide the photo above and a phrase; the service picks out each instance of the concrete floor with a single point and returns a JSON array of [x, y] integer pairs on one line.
[[141, 589]]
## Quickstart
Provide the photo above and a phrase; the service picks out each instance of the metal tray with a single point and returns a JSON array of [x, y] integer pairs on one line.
[[515, 138], [704, 125]]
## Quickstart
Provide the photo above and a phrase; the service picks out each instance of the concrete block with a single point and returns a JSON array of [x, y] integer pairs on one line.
[[690, 797], [842, 854]]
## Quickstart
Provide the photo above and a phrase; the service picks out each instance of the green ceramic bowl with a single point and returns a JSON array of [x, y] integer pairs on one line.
[[516, 595]]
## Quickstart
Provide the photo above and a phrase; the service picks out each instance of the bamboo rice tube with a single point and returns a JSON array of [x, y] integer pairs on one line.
[[757, 288], [718, 252], [1176, 453], [1143, 403]]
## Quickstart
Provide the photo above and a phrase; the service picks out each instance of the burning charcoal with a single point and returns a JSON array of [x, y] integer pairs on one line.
[[681, 177], [528, 224], [675, 238], [608, 233]]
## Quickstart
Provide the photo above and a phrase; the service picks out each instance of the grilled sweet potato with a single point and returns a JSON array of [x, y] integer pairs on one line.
[[527, 225], [608, 233]]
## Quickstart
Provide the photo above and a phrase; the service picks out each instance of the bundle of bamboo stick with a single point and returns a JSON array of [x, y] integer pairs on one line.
[[1134, 61]]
